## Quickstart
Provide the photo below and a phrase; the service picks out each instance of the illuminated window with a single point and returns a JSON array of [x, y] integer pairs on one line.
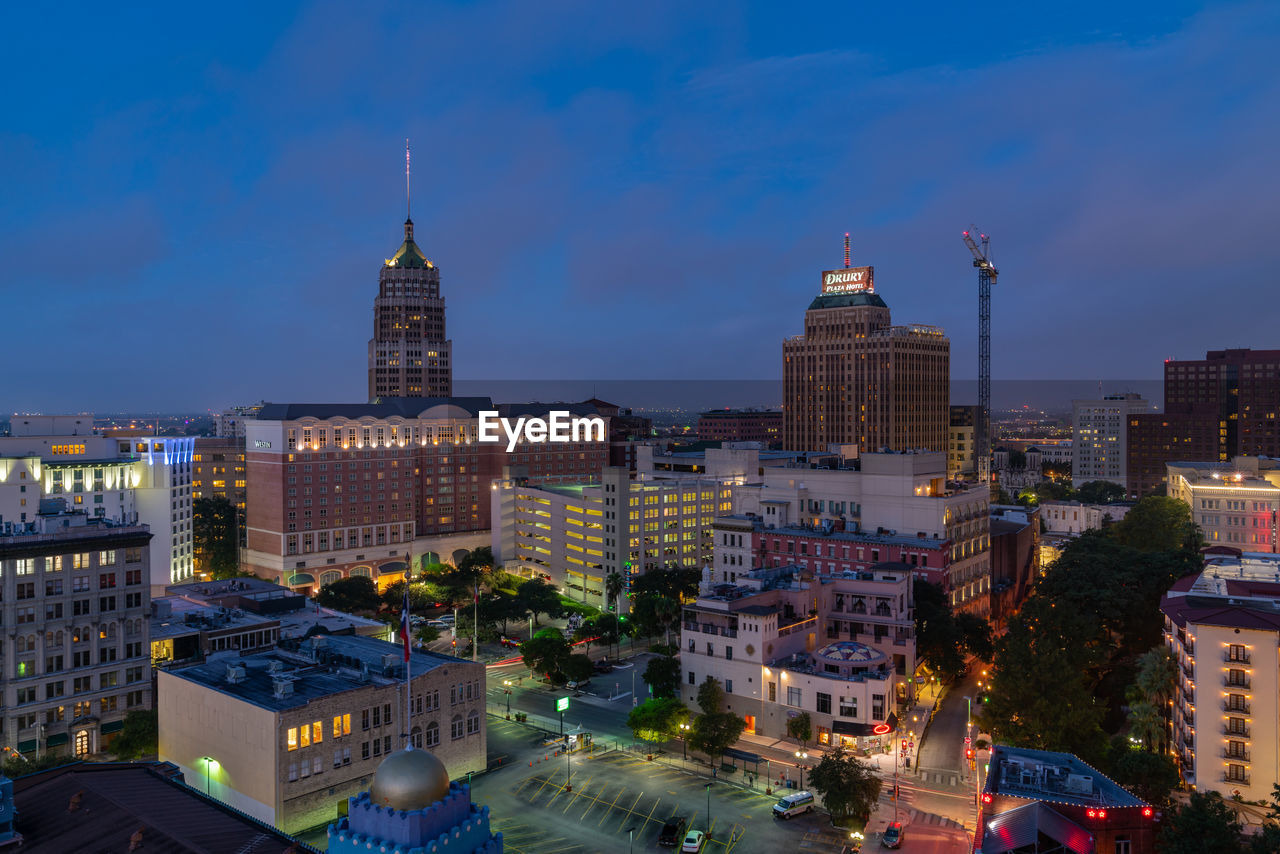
[[292, 738]]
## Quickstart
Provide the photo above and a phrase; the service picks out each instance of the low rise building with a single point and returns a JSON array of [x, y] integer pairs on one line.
[[1037, 800], [1015, 558], [193, 621], [288, 735], [742, 425], [1072, 518], [1232, 503], [1222, 627], [74, 598], [786, 640]]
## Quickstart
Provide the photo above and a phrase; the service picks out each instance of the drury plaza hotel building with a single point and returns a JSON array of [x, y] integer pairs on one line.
[[337, 490]]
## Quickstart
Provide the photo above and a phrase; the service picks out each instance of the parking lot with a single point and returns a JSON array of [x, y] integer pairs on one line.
[[616, 791]]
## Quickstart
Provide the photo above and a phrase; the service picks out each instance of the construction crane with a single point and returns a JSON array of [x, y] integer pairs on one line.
[[986, 278]]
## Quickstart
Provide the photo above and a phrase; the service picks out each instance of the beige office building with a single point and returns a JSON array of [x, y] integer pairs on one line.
[[1234, 504], [288, 735], [853, 378]]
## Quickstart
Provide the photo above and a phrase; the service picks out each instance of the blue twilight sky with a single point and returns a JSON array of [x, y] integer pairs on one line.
[[197, 198]]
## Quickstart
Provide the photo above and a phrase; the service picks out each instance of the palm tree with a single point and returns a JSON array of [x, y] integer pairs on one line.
[[613, 589], [668, 612]]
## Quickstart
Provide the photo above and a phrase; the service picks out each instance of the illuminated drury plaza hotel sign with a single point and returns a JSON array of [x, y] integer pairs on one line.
[[849, 280]]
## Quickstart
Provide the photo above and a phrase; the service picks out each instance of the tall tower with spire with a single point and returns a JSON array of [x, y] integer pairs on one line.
[[409, 354]]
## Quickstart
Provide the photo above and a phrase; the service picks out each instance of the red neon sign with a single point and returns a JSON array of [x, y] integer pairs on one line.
[[881, 729]]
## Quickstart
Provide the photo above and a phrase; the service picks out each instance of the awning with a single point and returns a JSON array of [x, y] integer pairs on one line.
[[57, 739], [27, 746], [860, 730], [392, 568], [741, 755], [301, 578], [112, 726]]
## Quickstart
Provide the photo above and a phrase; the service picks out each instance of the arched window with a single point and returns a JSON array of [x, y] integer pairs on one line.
[[433, 734], [415, 736], [473, 722]]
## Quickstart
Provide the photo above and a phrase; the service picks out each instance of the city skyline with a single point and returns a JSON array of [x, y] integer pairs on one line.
[[242, 193]]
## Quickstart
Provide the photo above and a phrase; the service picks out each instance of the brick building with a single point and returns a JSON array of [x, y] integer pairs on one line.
[[741, 425], [218, 470], [853, 378], [1015, 558], [1222, 406], [364, 489]]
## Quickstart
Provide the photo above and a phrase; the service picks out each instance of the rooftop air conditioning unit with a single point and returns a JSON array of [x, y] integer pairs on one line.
[[235, 673]]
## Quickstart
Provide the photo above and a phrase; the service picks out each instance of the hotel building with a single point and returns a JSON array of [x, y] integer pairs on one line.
[[853, 378], [133, 480], [786, 640], [288, 735], [1235, 503], [409, 353], [1222, 627], [838, 514], [365, 489]]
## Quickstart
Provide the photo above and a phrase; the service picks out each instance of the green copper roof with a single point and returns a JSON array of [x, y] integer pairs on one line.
[[408, 255], [844, 300]]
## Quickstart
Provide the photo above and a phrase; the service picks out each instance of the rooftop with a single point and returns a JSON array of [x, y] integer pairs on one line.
[[319, 666], [1060, 778], [1236, 591], [119, 800], [858, 298]]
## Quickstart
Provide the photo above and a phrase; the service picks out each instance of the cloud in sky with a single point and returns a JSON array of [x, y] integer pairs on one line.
[[629, 192]]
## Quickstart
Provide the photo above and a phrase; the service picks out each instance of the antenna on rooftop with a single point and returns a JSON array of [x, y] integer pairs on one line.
[[846, 250], [408, 208]]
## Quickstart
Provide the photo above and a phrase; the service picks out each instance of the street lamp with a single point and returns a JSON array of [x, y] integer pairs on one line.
[[684, 740], [506, 689], [568, 768], [209, 762], [708, 809], [800, 756], [631, 832]]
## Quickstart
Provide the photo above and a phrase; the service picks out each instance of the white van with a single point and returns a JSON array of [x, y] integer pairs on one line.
[[797, 804]]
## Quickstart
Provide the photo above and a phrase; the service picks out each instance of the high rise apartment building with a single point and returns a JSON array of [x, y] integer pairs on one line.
[[367, 489], [409, 353], [853, 378], [129, 480], [74, 598], [218, 471], [1099, 437], [1222, 406]]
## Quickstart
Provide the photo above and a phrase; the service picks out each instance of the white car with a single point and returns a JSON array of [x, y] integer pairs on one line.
[[447, 618], [694, 841], [438, 624]]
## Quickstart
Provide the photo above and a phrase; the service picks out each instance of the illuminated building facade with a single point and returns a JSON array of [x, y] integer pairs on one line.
[[367, 489], [1222, 627], [853, 378], [1099, 438], [409, 353], [741, 425], [578, 534], [1222, 406], [1234, 504], [218, 470], [130, 480]]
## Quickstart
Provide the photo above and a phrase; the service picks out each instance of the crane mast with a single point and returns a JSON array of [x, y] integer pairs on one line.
[[982, 427]]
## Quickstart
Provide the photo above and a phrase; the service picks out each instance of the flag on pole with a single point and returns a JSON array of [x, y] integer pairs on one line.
[[404, 623]]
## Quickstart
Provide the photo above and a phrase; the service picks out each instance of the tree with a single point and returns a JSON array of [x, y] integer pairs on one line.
[[663, 676], [1205, 825], [607, 628], [539, 597], [674, 583], [1150, 776], [1157, 524], [800, 728], [1265, 841], [355, 594], [478, 563], [426, 634], [613, 585], [849, 788], [214, 536], [420, 598], [942, 637], [658, 719], [1100, 492], [500, 607], [139, 736], [1146, 723], [546, 652], [577, 667], [714, 730]]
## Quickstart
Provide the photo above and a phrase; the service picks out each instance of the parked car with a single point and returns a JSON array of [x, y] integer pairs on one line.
[[438, 624], [793, 805], [672, 832], [693, 842], [578, 686], [892, 836], [602, 667], [446, 618]]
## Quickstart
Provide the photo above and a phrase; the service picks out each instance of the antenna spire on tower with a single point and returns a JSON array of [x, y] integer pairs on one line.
[[408, 208], [846, 250]]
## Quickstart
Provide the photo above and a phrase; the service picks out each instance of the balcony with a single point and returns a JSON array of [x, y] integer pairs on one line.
[[1236, 732], [1186, 671], [1237, 682], [1242, 779], [1238, 708], [1238, 756], [690, 626], [727, 632], [1236, 657]]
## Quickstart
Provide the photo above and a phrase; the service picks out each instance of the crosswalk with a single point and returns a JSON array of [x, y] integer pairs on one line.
[[940, 778], [907, 813]]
